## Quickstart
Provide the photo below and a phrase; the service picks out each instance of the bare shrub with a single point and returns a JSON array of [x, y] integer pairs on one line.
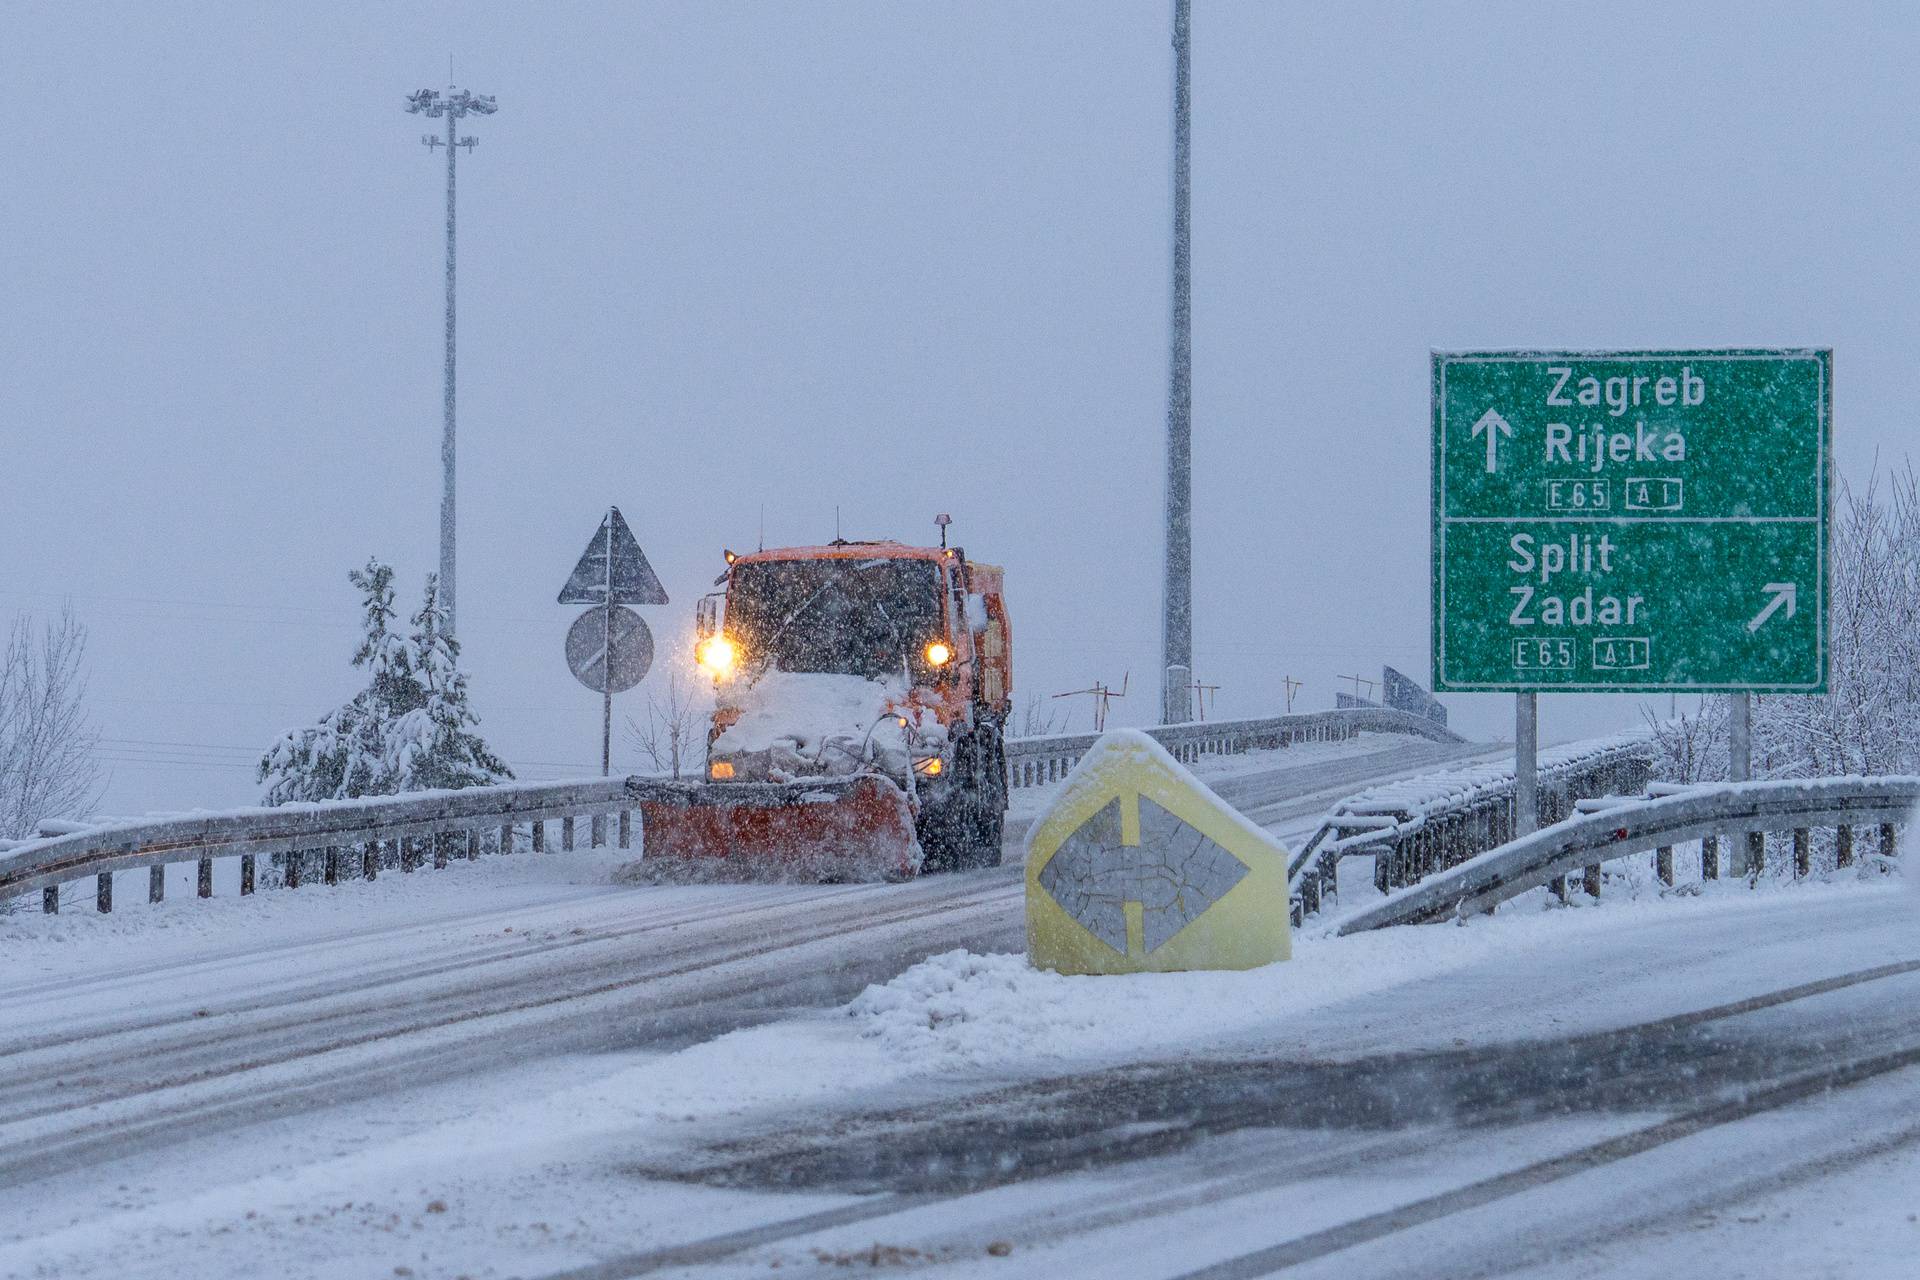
[[49, 767]]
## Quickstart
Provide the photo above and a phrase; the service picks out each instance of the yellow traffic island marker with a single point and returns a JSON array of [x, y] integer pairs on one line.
[[1138, 868]]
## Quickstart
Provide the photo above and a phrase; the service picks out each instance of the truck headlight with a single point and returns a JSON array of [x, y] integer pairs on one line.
[[939, 654], [716, 656]]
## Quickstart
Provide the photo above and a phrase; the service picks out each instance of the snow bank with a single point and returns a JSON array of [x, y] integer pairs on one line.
[[813, 724]]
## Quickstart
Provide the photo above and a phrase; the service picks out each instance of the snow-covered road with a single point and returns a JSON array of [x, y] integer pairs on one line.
[[521, 1068]]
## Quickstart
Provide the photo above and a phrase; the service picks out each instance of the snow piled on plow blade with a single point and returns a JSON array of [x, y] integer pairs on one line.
[[822, 829]]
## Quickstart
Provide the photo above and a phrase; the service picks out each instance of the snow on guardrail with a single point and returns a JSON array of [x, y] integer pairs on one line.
[[1417, 826], [1654, 823]]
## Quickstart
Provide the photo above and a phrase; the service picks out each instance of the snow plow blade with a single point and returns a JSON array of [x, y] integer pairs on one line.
[[829, 829]]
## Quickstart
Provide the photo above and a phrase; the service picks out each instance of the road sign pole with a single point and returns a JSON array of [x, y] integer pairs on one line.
[[1526, 763], [1740, 762], [1739, 737], [606, 652]]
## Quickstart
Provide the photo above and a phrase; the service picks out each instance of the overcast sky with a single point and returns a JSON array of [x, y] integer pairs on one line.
[[890, 258]]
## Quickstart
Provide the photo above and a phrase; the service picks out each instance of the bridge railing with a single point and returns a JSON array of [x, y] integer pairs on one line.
[[1420, 826], [1655, 823], [1037, 761], [353, 838], [357, 838]]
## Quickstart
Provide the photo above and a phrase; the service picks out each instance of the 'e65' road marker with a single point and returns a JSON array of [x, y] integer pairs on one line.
[[1631, 520]]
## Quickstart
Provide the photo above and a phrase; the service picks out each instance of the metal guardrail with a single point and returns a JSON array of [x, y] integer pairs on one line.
[[1419, 826], [356, 838], [1656, 823], [357, 835], [1035, 762]]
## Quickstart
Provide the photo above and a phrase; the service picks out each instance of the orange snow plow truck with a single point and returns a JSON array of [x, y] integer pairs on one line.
[[861, 697]]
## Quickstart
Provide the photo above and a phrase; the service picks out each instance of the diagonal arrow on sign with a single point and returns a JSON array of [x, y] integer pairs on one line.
[[1784, 593], [1494, 426]]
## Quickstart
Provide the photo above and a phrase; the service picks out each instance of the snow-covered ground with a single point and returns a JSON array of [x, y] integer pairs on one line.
[[524, 1067]]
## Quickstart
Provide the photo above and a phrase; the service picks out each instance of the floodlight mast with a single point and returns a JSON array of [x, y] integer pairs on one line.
[[455, 104], [1176, 621]]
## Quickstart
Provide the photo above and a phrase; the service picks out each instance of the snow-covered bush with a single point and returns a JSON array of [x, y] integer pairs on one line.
[[410, 729]]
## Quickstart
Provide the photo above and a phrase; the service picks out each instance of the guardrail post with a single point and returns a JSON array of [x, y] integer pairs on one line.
[[246, 874], [1559, 887], [1663, 864], [1889, 840], [1843, 846], [597, 830], [103, 892], [506, 837], [370, 859], [566, 834], [439, 839], [473, 844], [1756, 854], [50, 899], [539, 836], [1802, 852], [294, 858], [1710, 858], [1593, 880], [626, 828], [156, 884], [332, 872], [206, 878]]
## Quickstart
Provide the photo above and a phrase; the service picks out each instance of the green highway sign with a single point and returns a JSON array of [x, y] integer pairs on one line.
[[1631, 520]]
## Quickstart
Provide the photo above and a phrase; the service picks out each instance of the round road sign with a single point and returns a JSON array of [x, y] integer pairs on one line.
[[589, 639]]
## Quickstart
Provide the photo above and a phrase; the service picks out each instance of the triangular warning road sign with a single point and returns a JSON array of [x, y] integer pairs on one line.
[[629, 579]]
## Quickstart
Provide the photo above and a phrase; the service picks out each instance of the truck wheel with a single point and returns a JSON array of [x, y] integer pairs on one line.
[[944, 833]]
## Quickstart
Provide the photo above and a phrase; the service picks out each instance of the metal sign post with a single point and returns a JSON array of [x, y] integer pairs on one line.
[[609, 648]]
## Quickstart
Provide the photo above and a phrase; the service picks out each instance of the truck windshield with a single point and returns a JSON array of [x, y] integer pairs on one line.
[[856, 617]]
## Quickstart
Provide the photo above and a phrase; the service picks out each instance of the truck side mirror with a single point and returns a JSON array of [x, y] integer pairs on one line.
[[706, 617]]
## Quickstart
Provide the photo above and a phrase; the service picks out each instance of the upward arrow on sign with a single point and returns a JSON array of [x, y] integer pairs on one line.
[[613, 569], [1493, 426]]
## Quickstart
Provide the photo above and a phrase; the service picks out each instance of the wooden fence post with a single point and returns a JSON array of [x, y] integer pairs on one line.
[[566, 834], [1663, 864], [294, 858], [1756, 854], [1889, 840], [246, 874], [539, 836], [50, 899], [156, 884], [626, 828], [1593, 880], [370, 859], [506, 838], [1802, 852], [597, 831], [103, 892], [206, 877], [1843, 846], [332, 872], [1710, 858]]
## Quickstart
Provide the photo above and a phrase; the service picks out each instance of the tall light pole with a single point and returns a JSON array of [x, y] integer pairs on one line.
[[1176, 627], [456, 103]]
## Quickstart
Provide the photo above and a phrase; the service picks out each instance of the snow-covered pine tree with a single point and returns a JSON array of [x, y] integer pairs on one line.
[[409, 729], [434, 744]]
